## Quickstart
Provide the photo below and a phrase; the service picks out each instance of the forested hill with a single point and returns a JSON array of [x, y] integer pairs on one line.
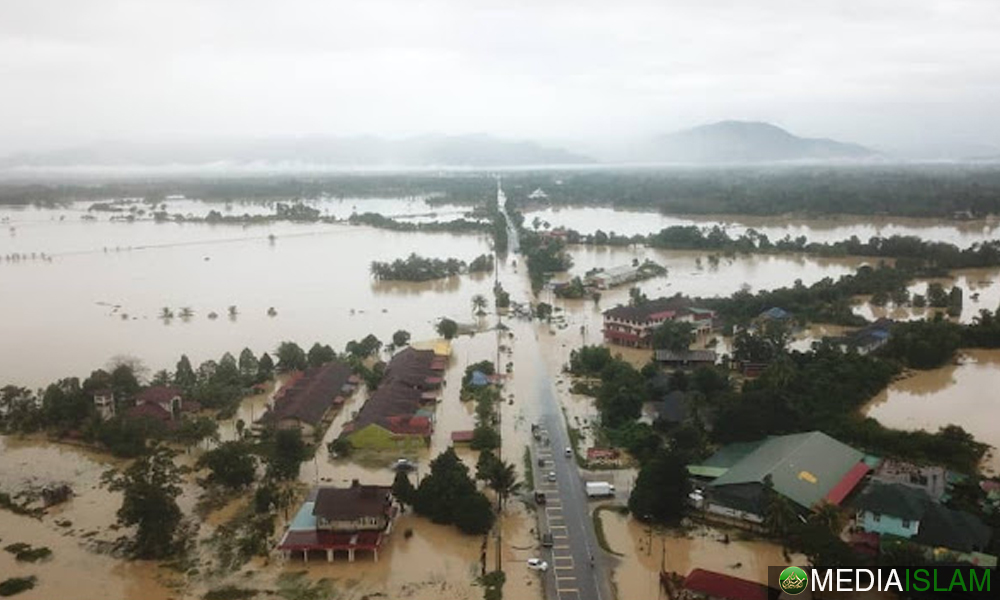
[[745, 142]]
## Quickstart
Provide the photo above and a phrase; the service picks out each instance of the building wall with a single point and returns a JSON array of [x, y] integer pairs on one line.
[[374, 524], [732, 513], [886, 524]]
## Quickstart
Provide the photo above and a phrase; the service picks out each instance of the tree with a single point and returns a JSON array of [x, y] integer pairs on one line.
[[184, 375], [673, 335], [248, 366], [402, 489], [661, 490], [232, 465], [780, 517], [448, 495], [291, 357], [479, 303], [484, 437], [320, 355], [543, 310], [150, 487], [265, 368], [486, 465], [124, 380], [447, 328], [228, 371], [287, 452], [401, 338], [503, 481]]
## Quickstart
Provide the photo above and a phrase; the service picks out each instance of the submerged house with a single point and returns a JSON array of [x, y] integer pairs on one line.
[[400, 413], [161, 403], [896, 511], [104, 403], [306, 401], [346, 520], [806, 468], [685, 359]]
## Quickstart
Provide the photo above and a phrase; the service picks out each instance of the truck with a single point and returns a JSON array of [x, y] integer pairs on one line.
[[599, 489]]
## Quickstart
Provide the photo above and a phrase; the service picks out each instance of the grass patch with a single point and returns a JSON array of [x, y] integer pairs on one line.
[[574, 441], [230, 592], [16, 585], [529, 470], [602, 540]]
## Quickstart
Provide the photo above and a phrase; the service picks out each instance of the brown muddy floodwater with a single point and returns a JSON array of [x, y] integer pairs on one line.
[[962, 394], [645, 551]]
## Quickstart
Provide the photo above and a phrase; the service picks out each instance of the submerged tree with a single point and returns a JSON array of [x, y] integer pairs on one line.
[[150, 487]]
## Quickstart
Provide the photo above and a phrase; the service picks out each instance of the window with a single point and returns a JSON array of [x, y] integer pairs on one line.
[[906, 523]]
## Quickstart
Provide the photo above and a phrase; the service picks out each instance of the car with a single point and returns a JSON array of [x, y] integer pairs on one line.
[[569, 452], [547, 540], [541, 462], [537, 564], [552, 476], [403, 464], [540, 498]]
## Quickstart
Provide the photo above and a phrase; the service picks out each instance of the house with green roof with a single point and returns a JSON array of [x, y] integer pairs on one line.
[[896, 511], [806, 468]]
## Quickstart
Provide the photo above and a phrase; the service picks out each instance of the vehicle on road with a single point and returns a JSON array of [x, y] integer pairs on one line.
[[547, 540], [539, 497], [600, 489], [541, 462], [552, 476], [403, 464], [538, 564], [569, 452]]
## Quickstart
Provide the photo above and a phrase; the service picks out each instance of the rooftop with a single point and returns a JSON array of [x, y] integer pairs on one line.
[[310, 397], [726, 587], [803, 467], [355, 502], [159, 394], [646, 310]]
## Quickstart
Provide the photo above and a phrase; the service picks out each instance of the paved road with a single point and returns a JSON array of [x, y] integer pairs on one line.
[[566, 513]]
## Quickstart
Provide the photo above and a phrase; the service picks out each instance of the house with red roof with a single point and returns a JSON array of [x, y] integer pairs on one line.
[[308, 398], [161, 403], [346, 520], [702, 584], [633, 326]]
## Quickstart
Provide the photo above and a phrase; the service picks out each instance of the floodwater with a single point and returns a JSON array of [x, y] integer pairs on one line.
[[980, 288], [69, 311], [832, 229], [645, 551], [961, 394]]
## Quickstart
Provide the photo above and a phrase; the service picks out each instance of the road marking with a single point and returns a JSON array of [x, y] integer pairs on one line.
[[553, 509], [566, 562], [561, 546]]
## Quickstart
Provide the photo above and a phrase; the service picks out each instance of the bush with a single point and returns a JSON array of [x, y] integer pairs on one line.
[[16, 585]]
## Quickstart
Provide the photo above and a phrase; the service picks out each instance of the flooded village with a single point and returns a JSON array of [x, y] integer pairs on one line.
[[426, 429]]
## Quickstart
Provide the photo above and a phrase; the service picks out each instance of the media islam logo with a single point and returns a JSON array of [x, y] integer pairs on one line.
[[793, 581]]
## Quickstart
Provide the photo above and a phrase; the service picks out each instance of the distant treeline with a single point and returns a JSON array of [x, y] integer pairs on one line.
[[460, 188], [919, 190], [942, 255]]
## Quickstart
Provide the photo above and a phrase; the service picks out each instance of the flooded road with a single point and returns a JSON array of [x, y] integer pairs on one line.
[[961, 394]]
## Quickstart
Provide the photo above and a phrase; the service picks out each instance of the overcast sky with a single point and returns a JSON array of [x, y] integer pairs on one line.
[[888, 73]]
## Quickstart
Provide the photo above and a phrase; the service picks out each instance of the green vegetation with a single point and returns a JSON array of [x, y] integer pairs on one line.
[[661, 489], [529, 470], [16, 585], [447, 328], [416, 268], [27, 553], [673, 335], [231, 464], [454, 226], [284, 452], [492, 584], [481, 264], [916, 191], [229, 592], [500, 476], [449, 496], [150, 487]]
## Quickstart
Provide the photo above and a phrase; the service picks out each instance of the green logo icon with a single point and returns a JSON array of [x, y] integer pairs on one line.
[[793, 581]]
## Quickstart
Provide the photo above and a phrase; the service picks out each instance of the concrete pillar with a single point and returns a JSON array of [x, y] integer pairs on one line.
[[350, 555], [305, 556], [329, 556], [376, 554]]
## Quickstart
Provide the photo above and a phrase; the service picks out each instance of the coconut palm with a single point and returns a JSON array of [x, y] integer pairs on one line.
[[186, 313], [166, 314], [503, 481], [233, 312], [479, 304]]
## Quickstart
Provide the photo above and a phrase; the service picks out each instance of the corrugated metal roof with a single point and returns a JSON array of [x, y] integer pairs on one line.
[[803, 467]]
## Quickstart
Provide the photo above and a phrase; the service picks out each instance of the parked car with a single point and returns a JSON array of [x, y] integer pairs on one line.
[[547, 540], [538, 564], [552, 476], [403, 464], [539, 497], [569, 452], [541, 462]]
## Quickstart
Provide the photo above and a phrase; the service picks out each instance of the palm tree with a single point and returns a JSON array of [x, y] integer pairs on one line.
[[166, 314], [233, 312], [479, 304], [187, 312], [503, 481]]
